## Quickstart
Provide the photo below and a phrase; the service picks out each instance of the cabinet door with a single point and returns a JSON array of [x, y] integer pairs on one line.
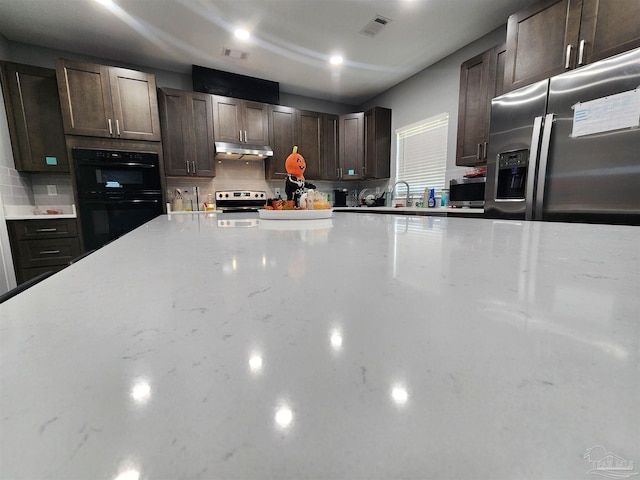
[[85, 98], [255, 123], [200, 121], [135, 104], [608, 28], [309, 141], [173, 112], [541, 41], [330, 146], [352, 145], [377, 143], [35, 119], [226, 119], [282, 125], [473, 110]]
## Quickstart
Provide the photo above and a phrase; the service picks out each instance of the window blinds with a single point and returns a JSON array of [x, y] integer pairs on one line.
[[422, 153]]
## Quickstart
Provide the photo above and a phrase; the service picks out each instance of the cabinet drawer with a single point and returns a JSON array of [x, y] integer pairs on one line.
[[47, 252], [43, 229]]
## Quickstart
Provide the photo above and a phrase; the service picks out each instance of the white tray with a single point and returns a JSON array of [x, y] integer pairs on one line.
[[294, 214]]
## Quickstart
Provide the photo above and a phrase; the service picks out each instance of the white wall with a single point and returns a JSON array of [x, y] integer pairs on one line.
[[431, 92]]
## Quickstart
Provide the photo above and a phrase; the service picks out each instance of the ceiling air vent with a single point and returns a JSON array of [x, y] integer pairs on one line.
[[235, 54], [374, 27]]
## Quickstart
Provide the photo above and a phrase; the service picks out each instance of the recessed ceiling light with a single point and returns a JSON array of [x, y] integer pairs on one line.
[[242, 34], [336, 60]]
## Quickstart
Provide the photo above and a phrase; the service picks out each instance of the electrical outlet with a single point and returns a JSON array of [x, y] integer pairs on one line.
[[52, 190], [276, 192]]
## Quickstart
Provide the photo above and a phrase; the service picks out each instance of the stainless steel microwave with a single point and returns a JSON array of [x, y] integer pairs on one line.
[[467, 192]]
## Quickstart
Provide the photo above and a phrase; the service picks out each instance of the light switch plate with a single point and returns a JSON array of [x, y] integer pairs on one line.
[[52, 190]]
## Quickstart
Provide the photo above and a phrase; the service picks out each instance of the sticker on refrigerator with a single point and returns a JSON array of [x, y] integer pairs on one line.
[[605, 114]]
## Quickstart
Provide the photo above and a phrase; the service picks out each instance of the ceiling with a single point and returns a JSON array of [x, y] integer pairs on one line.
[[291, 40]]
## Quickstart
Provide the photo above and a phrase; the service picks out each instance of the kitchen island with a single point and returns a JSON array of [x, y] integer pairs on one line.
[[358, 347]]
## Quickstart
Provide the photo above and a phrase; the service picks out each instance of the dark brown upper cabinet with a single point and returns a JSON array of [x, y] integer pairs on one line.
[[282, 138], [553, 36], [289, 127], [330, 146], [309, 141], [351, 133], [377, 143], [240, 121], [481, 79], [34, 118], [102, 101], [186, 120]]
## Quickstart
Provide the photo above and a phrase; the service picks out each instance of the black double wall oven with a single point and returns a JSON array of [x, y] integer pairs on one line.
[[117, 191]]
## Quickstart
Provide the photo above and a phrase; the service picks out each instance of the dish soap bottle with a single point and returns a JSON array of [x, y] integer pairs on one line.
[[432, 198]]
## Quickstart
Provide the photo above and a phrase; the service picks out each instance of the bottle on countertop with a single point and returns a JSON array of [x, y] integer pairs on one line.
[[432, 198], [187, 202]]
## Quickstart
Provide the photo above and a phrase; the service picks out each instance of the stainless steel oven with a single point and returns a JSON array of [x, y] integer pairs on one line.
[[117, 191], [240, 200]]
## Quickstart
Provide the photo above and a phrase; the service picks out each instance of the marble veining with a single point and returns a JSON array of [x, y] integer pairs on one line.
[[360, 347]]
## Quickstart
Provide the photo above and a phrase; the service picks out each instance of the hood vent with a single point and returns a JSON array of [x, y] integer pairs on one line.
[[241, 151], [374, 27]]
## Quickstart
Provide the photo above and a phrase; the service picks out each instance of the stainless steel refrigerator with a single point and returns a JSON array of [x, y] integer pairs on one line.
[[568, 148]]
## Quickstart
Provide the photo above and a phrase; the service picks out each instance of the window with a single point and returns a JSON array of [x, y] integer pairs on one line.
[[422, 153]]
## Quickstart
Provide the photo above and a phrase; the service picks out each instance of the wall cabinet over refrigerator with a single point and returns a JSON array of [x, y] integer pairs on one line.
[[481, 79], [186, 119], [102, 101], [34, 118], [240, 121], [553, 36]]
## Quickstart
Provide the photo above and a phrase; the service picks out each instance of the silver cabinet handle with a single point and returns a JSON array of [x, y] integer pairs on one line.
[[110, 127], [43, 230], [245, 137], [187, 164], [478, 149], [581, 52], [118, 127], [567, 62], [240, 131], [49, 252], [486, 146], [193, 167]]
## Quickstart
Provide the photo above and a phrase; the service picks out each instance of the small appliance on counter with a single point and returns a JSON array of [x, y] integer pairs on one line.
[[240, 200], [467, 192], [340, 197]]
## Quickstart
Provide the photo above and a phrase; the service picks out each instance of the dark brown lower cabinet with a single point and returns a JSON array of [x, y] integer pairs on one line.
[[38, 246]]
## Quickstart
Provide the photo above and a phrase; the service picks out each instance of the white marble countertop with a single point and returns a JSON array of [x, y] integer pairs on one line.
[[38, 212], [436, 212], [359, 347]]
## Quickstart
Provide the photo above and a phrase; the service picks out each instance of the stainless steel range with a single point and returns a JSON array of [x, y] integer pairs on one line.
[[240, 200]]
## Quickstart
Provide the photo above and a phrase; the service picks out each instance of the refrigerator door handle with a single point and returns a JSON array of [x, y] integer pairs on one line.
[[542, 168], [531, 168]]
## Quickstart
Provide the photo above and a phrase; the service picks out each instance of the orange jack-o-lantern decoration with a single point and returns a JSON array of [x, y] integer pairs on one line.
[[295, 164]]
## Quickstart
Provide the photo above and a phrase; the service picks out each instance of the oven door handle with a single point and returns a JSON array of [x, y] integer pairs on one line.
[[129, 200], [118, 164]]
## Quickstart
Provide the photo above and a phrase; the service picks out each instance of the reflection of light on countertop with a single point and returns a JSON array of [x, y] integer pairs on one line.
[[141, 392], [128, 475], [284, 416], [336, 340], [255, 363], [399, 395], [264, 260]]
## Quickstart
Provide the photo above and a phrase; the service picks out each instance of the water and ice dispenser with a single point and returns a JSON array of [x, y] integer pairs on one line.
[[512, 175]]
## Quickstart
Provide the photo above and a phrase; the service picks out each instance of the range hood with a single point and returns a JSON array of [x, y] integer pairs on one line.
[[242, 151]]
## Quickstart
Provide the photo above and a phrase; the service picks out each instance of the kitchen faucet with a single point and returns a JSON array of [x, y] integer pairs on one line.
[[408, 202]]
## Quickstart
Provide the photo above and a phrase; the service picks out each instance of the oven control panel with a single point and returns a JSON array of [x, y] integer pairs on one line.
[[241, 195]]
